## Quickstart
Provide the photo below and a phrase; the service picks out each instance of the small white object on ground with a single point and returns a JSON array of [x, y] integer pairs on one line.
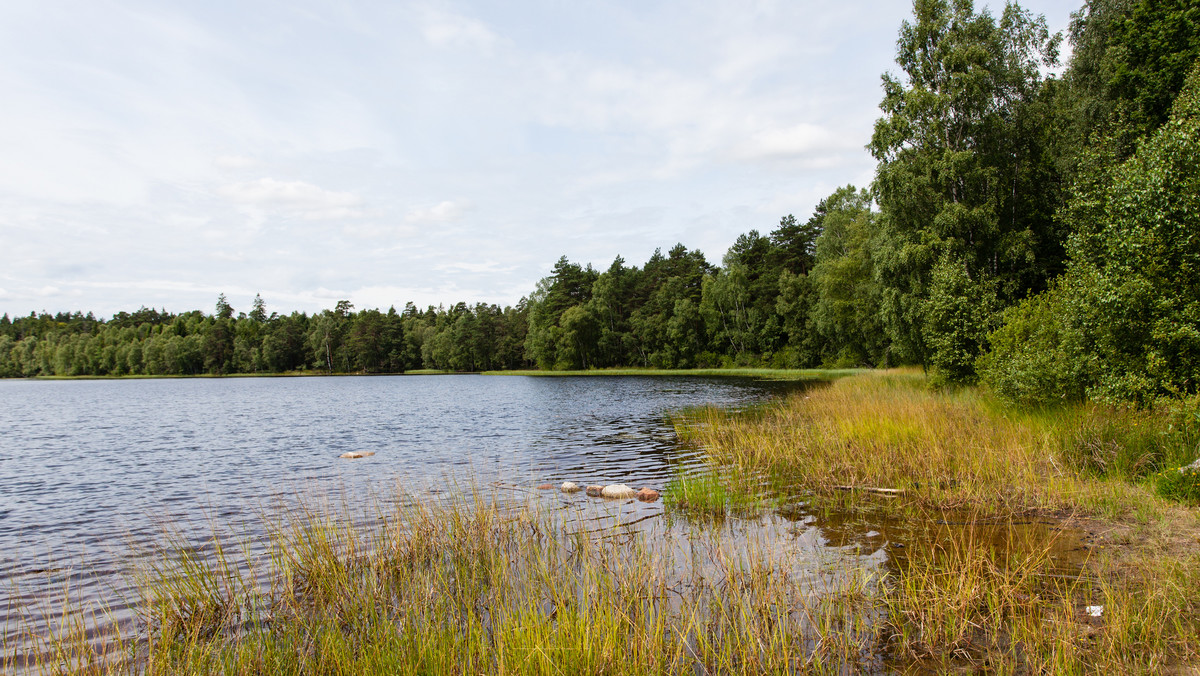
[[618, 491], [1095, 611]]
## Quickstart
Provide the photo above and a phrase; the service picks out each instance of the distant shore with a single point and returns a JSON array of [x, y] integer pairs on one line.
[[769, 373]]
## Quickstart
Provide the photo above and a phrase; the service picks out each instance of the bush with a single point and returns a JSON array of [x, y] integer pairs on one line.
[[1123, 324], [1036, 354], [1181, 484]]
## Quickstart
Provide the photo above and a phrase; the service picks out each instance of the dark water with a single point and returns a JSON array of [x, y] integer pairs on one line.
[[88, 468]]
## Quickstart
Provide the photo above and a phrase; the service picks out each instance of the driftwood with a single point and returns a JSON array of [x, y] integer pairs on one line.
[[868, 489]]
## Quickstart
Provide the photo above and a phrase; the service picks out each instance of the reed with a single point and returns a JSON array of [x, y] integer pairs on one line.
[[469, 587], [942, 450], [714, 495]]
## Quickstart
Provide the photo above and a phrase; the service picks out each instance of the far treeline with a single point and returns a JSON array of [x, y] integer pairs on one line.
[[1038, 232]]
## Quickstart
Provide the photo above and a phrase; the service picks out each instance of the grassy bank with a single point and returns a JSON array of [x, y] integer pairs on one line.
[[888, 430], [885, 441], [1104, 580]]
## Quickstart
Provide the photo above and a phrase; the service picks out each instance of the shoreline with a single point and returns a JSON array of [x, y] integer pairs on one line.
[[764, 373]]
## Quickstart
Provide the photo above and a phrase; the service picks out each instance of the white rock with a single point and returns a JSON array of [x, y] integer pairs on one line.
[[355, 455], [1095, 611], [569, 487], [618, 491]]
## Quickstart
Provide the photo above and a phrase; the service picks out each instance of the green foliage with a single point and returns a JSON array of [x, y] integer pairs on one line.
[[960, 177], [1180, 484], [1128, 311], [1131, 59], [846, 296], [1037, 355], [958, 315]]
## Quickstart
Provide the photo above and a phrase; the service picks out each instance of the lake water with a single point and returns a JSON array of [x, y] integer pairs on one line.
[[89, 468]]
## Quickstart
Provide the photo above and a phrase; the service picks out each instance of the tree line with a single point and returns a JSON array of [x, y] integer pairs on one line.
[[340, 340], [1039, 232]]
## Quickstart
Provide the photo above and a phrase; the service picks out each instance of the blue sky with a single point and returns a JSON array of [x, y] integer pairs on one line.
[[160, 153]]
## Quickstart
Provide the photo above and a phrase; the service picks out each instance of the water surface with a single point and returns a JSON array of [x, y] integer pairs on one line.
[[88, 468]]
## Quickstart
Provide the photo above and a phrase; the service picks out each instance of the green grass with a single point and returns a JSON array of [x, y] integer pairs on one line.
[[713, 495]]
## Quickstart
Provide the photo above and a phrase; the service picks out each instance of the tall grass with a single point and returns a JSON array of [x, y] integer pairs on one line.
[[944, 450], [470, 588], [966, 603]]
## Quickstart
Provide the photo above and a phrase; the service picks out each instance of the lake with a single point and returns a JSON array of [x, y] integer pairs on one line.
[[90, 470]]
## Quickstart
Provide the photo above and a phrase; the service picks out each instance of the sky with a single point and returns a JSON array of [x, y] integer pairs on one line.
[[161, 153]]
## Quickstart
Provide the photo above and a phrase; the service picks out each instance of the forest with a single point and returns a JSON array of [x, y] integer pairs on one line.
[[1033, 225]]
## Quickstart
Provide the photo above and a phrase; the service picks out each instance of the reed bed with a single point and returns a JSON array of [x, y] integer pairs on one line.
[[966, 604], [888, 433], [471, 588]]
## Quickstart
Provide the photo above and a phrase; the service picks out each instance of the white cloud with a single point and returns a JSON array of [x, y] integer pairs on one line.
[[488, 266], [383, 236], [453, 30], [294, 198], [443, 212], [793, 141], [235, 162]]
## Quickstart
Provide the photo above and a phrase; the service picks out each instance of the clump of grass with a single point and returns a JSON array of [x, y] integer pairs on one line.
[[1180, 484], [956, 599], [710, 494], [966, 602]]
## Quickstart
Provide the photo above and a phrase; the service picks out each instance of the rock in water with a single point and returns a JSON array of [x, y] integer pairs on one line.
[[595, 491], [355, 455], [545, 487], [569, 487], [647, 495], [617, 491]]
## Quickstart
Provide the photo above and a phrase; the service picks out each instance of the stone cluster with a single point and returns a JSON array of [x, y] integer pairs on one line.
[[614, 491]]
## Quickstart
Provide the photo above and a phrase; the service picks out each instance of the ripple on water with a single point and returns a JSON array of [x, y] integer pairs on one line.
[[92, 470]]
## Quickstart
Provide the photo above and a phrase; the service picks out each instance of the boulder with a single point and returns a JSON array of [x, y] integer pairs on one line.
[[618, 491], [569, 487], [355, 455], [595, 491], [1194, 467], [545, 487], [647, 495]]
